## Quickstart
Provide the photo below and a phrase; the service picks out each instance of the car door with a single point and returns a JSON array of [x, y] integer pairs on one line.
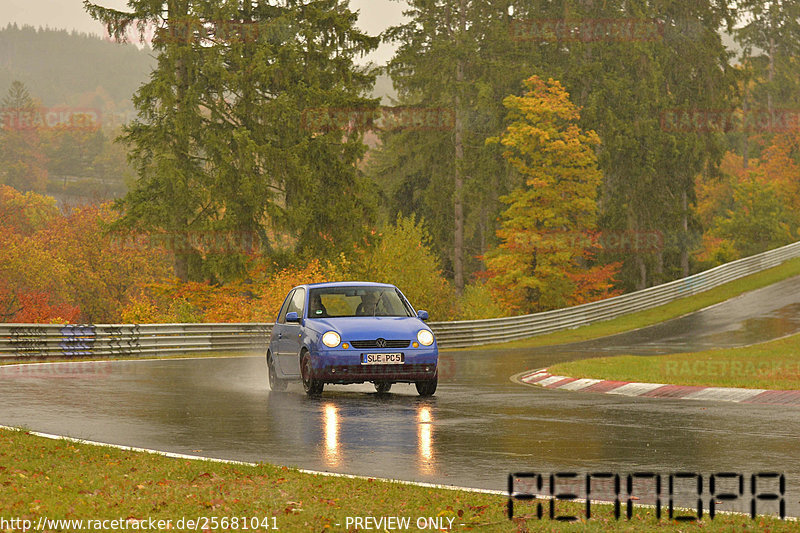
[[290, 338], [278, 331]]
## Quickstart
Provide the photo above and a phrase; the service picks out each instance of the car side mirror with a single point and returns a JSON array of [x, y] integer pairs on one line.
[[292, 317], [422, 315]]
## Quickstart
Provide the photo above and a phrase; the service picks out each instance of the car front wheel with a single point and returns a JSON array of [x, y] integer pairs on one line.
[[311, 385], [427, 387], [275, 383]]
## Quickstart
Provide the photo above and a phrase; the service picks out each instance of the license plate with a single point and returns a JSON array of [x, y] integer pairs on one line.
[[382, 359]]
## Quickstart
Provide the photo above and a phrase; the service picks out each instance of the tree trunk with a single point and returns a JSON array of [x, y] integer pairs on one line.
[[745, 134], [177, 13], [771, 74], [458, 181], [458, 207], [181, 267], [658, 278], [685, 229], [640, 264], [638, 260]]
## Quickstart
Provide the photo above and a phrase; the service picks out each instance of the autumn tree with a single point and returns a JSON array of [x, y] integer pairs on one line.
[[66, 267], [397, 254], [401, 254], [753, 207], [542, 263], [758, 220], [103, 272], [33, 283], [780, 165]]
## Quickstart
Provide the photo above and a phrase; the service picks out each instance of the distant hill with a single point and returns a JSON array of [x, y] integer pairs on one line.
[[72, 69], [75, 69]]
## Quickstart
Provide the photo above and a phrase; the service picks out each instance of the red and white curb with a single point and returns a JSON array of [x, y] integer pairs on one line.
[[543, 378]]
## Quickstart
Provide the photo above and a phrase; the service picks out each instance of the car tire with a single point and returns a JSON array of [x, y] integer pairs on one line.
[[428, 387], [382, 387], [275, 383], [311, 385]]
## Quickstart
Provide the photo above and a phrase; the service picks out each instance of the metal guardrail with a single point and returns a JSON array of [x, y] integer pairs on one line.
[[102, 340], [109, 340], [478, 332]]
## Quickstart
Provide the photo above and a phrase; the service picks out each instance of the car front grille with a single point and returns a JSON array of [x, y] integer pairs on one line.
[[374, 343]]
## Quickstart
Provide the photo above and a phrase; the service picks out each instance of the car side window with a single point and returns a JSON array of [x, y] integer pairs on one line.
[[298, 302], [284, 309]]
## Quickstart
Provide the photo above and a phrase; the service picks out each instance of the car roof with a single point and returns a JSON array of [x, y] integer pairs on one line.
[[346, 284]]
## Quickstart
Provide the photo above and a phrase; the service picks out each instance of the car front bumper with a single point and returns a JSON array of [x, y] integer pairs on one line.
[[344, 366]]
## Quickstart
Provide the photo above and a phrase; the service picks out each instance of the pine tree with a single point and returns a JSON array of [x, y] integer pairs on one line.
[[219, 143], [459, 55], [23, 163], [626, 88]]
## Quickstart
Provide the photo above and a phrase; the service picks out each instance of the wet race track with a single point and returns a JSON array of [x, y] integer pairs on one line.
[[479, 427]]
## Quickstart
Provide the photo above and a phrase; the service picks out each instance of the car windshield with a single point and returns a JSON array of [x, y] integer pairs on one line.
[[335, 302]]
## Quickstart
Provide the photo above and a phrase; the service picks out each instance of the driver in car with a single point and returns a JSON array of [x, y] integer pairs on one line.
[[368, 304]]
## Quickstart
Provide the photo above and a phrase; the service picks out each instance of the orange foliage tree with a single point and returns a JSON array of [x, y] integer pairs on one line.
[[60, 268], [66, 268], [749, 210], [399, 254], [32, 282], [102, 274], [256, 298]]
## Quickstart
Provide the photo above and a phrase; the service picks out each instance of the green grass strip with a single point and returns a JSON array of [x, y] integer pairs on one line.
[[661, 313], [61, 479], [771, 365]]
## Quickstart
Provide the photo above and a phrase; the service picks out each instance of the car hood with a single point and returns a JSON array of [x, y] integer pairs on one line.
[[365, 328]]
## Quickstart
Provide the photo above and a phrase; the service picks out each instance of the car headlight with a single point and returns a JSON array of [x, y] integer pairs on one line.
[[331, 339], [425, 337]]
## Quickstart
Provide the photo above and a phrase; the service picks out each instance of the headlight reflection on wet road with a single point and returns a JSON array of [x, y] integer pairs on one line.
[[425, 440], [334, 449], [331, 414]]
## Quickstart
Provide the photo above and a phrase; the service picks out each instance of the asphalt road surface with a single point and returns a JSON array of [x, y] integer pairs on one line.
[[479, 427]]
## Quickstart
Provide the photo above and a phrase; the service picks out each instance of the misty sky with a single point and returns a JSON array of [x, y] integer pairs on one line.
[[375, 16]]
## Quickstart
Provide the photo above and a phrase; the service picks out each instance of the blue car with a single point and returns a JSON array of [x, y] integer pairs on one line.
[[351, 332]]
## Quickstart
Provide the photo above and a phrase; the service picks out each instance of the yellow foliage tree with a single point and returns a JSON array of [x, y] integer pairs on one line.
[[542, 261]]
